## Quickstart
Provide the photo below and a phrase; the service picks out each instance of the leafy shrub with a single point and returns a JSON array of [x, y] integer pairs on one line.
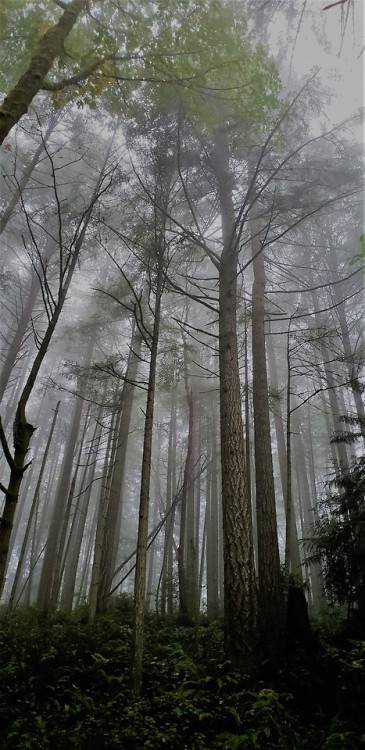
[[65, 684]]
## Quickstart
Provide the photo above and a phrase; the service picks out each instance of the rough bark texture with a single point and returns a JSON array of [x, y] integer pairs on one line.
[[269, 574], [240, 596], [48, 49]]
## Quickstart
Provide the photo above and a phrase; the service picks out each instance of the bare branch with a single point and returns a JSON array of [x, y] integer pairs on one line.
[[6, 449]]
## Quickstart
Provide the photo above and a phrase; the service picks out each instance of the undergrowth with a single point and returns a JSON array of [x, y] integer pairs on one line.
[[65, 684]]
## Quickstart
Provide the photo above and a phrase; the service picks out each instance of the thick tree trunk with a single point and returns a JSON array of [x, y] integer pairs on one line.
[[271, 603], [48, 49], [240, 595]]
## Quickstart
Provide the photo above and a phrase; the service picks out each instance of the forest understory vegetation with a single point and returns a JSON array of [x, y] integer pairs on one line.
[[66, 684]]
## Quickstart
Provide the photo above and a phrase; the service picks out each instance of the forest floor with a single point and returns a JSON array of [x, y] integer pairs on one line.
[[65, 684]]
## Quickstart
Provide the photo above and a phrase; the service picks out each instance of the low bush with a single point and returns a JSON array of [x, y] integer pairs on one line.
[[65, 684]]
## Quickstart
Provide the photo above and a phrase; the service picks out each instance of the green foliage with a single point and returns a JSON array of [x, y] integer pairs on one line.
[[65, 684], [339, 538]]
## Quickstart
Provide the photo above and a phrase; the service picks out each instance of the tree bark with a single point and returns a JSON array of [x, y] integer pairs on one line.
[[48, 48], [270, 600], [32, 519], [49, 580], [142, 537], [110, 542], [240, 595]]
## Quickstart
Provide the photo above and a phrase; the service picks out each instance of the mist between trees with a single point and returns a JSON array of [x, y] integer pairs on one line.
[[181, 284]]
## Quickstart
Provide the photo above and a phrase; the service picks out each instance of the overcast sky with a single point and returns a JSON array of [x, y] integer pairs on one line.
[[340, 59]]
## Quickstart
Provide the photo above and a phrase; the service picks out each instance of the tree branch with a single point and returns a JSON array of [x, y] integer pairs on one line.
[[5, 447]]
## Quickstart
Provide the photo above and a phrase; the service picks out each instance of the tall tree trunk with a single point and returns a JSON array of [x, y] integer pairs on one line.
[[72, 553], [187, 556], [49, 580], [308, 504], [182, 548], [142, 536], [167, 564], [18, 335], [331, 384], [32, 518], [212, 521], [110, 542], [269, 573], [240, 595], [102, 509], [48, 48], [350, 357], [68, 520], [295, 561]]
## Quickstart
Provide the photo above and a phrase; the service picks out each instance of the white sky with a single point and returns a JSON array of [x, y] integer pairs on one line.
[[342, 71]]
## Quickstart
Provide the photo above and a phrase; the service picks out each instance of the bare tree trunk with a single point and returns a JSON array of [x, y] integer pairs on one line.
[[32, 518], [295, 561], [182, 548], [321, 326], [110, 542], [240, 595], [308, 504], [269, 574], [142, 536], [49, 580], [101, 516], [72, 553], [212, 521], [16, 342], [187, 556], [167, 565], [289, 495]]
